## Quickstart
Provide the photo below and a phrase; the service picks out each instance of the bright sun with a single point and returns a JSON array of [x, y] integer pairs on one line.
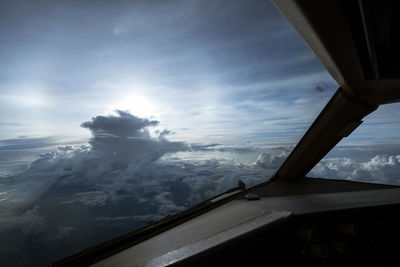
[[136, 104]]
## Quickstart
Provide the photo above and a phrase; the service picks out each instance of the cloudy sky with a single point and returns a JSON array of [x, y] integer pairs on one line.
[[121, 112], [211, 71]]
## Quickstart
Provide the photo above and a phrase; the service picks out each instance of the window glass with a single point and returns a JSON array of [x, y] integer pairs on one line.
[[370, 154], [118, 113]]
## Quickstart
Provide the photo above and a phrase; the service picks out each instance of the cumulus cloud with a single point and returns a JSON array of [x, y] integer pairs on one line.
[[125, 177], [122, 125], [268, 160], [126, 137], [381, 168]]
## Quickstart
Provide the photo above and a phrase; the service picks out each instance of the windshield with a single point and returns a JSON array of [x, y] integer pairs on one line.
[[370, 154], [118, 113]]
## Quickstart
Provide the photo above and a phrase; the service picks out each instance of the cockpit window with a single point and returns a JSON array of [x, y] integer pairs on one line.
[[370, 154], [119, 113]]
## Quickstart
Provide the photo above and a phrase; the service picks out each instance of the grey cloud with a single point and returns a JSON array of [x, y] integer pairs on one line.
[[147, 218], [25, 143], [63, 231], [123, 125], [126, 137], [91, 198], [32, 221]]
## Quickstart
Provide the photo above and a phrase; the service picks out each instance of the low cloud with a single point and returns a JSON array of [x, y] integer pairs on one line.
[[272, 161], [381, 168], [128, 174], [125, 177]]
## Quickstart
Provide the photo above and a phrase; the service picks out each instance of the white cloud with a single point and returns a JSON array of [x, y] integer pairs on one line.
[[381, 168], [271, 160]]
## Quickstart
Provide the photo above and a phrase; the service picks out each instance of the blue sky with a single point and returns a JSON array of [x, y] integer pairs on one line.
[[210, 71]]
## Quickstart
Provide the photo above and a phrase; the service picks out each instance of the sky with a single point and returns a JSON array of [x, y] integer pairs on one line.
[[211, 71], [117, 113]]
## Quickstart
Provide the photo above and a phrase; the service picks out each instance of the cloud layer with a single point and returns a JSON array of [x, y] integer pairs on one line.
[[381, 168], [129, 173]]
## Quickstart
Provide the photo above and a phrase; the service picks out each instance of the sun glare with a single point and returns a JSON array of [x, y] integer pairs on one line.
[[137, 105]]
